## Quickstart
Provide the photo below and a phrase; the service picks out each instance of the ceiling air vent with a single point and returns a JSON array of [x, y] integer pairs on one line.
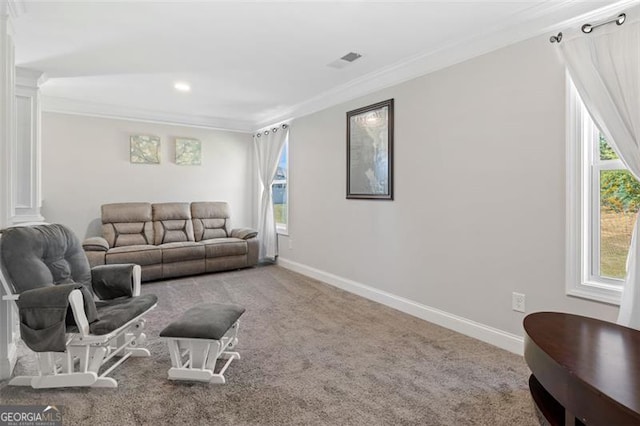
[[345, 60], [351, 56]]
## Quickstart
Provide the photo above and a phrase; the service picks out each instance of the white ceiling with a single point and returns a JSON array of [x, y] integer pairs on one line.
[[254, 63]]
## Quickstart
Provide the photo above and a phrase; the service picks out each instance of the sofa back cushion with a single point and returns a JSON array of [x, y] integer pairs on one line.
[[172, 223], [127, 224], [211, 219]]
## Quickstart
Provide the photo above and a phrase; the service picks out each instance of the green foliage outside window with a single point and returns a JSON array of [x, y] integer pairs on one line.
[[619, 190], [619, 203], [606, 152]]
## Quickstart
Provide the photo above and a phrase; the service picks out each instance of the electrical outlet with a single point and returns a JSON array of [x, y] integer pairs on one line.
[[517, 302]]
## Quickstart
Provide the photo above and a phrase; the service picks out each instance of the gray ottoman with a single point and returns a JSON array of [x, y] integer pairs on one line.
[[200, 337]]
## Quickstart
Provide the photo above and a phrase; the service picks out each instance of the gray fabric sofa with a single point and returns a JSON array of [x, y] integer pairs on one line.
[[172, 239]]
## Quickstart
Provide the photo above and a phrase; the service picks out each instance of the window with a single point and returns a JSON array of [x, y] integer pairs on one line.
[[280, 192], [604, 200]]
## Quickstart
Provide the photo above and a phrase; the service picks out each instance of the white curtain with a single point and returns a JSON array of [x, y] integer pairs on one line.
[[268, 145], [605, 67]]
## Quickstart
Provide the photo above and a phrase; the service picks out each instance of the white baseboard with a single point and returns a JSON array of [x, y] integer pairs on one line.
[[491, 335]]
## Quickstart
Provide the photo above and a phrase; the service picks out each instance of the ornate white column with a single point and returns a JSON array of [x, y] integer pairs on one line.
[[9, 9], [7, 84], [26, 188]]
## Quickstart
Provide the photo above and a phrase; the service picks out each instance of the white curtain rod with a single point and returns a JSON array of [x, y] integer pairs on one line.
[[588, 28], [275, 129]]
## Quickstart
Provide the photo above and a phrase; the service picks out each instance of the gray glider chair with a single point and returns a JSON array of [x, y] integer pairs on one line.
[[81, 322]]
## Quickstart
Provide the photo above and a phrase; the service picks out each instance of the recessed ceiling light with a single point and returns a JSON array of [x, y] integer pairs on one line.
[[181, 86]]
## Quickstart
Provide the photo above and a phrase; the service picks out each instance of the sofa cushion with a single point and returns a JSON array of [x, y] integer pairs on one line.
[[139, 254], [218, 247], [178, 252], [95, 244], [125, 224], [226, 263], [129, 234], [187, 267], [172, 223], [126, 212], [205, 229], [210, 220]]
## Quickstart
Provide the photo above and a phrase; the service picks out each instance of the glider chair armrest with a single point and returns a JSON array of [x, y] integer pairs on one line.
[[76, 301], [112, 281], [95, 244], [244, 233]]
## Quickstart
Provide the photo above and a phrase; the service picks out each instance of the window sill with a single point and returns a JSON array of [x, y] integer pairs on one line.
[[597, 292], [282, 231]]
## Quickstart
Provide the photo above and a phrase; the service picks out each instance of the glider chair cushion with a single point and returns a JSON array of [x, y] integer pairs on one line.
[[36, 259], [65, 307]]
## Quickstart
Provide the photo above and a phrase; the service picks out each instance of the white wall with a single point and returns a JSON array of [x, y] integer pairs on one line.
[[85, 164], [479, 208]]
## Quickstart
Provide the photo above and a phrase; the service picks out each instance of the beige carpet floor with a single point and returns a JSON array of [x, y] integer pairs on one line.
[[311, 355]]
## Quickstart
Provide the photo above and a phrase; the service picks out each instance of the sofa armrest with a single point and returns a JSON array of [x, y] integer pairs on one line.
[[244, 233], [112, 281], [95, 244]]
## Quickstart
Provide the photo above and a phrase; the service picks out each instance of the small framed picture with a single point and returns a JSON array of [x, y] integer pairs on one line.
[[145, 149], [370, 152], [188, 152]]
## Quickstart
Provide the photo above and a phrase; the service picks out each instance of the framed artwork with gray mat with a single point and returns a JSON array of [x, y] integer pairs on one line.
[[370, 152]]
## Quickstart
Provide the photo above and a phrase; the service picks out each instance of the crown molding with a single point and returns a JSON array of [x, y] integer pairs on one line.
[[30, 78], [90, 109], [531, 22]]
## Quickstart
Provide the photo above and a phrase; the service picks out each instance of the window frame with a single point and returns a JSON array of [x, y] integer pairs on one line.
[[283, 228], [583, 206]]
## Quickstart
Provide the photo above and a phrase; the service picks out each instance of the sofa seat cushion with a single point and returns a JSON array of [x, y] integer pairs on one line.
[[218, 247], [140, 254], [178, 252]]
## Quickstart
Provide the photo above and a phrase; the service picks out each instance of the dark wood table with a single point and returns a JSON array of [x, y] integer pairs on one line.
[[585, 371]]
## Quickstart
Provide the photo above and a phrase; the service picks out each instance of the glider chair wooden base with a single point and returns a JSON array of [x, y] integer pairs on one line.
[[85, 357], [81, 323]]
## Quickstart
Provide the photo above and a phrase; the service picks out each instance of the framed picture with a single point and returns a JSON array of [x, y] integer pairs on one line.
[[370, 152], [188, 152], [145, 149]]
